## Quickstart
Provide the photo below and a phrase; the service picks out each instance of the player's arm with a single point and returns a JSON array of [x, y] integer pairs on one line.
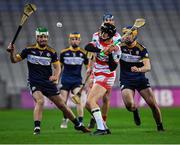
[[92, 48], [146, 63], [13, 56], [145, 68], [114, 59], [56, 72]]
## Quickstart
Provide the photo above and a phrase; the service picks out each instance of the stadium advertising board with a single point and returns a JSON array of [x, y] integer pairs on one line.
[[165, 97]]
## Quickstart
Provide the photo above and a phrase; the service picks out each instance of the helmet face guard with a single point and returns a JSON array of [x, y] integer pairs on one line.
[[109, 29]]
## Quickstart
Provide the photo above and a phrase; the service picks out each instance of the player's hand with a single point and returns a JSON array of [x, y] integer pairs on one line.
[[135, 69], [110, 49], [10, 47], [53, 78]]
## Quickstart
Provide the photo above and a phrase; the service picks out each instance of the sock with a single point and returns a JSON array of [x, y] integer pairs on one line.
[[98, 117], [80, 118], [64, 116], [37, 123], [76, 122]]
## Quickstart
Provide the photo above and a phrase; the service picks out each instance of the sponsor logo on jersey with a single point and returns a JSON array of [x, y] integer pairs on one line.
[[130, 58], [73, 60], [39, 60]]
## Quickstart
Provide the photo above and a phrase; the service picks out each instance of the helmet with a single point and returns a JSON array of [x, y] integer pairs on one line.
[[108, 16], [134, 32], [75, 34], [109, 29], [42, 31]]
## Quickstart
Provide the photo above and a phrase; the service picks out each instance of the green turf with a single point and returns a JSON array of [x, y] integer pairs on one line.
[[16, 127]]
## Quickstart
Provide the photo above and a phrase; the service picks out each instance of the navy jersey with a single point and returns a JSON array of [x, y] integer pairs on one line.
[[132, 57], [72, 61], [39, 63]]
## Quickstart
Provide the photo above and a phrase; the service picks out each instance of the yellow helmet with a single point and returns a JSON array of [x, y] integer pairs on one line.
[[134, 32]]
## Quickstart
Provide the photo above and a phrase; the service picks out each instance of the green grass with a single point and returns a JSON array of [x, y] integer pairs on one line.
[[16, 127]]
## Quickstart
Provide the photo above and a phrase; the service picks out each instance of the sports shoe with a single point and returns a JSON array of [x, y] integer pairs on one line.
[[82, 128], [108, 131], [36, 130], [99, 132], [92, 123], [136, 116], [160, 127], [64, 123]]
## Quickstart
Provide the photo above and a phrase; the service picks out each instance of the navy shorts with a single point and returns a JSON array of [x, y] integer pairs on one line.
[[47, 89], [70, 86], [135, 85]]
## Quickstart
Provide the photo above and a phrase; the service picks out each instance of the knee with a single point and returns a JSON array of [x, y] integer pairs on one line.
[[40, 101], [130, 107]]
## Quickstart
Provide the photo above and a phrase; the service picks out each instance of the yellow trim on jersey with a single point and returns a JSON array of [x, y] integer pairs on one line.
[[40, 48], [139, 46], [73, 50]]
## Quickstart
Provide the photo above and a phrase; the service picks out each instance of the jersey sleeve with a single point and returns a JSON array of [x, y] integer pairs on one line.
[[144, 54], [54, 57], [24, 53], [61, 58], [117, 55], [86, 60]]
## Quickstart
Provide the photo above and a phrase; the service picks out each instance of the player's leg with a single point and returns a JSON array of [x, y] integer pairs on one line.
[[38, 110], [92, 121], [149, 97], [105, 105], [64, 95], [68, 112], [128, 98], [105, 108], [80, 107], [95, 94]]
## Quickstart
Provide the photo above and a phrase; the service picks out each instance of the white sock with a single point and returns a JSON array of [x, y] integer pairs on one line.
[[98, 117]]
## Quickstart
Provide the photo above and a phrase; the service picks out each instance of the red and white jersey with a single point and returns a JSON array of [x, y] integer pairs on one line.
[[101, 72]]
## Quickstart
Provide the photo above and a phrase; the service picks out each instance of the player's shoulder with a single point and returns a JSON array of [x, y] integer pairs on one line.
[[140, 46], [31, 46], [49, 48], [82, 50], [65, 49]]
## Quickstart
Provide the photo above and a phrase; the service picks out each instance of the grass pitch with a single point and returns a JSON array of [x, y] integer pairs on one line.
[[16, 127]]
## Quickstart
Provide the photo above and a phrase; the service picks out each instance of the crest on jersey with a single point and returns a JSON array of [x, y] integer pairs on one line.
[[81, 54], [40, 52], [67, 54], [48, 54], [137, 52]]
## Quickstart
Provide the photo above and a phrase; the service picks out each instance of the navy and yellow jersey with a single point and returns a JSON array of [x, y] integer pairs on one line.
[[39, 62], [132, 57], [72, 60]]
